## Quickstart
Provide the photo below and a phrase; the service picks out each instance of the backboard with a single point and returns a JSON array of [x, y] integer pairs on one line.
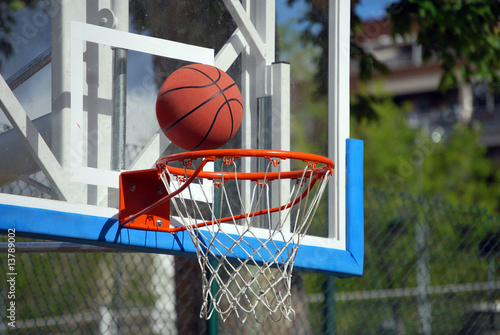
[[79, 109]]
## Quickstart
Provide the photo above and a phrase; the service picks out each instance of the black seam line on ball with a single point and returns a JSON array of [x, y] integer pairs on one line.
[[204, 86], [228, 105], [215, 119], [197, 107], [185, 87], [231, 113]]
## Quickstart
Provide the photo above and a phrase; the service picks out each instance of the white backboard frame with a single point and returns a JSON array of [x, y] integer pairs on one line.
[[83, 32], [255, 45]]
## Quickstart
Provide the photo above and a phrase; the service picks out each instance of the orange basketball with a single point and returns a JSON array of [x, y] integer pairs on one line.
[[199, 107]]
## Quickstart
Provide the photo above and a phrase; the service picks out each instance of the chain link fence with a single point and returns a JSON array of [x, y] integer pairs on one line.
[[430, 268]]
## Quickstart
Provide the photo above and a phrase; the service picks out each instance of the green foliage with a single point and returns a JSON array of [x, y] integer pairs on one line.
[[65, 292], [451, 250], [463, 36], [54, 292], [399, 158], [368, 63], [413, 186], [462, 170]]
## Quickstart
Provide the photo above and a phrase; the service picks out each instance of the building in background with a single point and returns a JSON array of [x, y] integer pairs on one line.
[[413, 81]]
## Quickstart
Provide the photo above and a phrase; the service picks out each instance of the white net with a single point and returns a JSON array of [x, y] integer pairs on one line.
[[247, 259]]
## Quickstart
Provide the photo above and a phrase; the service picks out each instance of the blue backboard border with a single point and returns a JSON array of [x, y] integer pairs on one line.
[[37, 221]]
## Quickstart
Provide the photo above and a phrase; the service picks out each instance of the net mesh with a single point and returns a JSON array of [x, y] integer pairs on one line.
[[247, 259]]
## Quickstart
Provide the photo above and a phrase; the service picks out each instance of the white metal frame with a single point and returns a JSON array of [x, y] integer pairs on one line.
[[338, 114], [34, 141], [254, 41], [82, 32]]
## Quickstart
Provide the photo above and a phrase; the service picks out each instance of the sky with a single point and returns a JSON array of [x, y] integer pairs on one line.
[[372, 9], [366, 9]]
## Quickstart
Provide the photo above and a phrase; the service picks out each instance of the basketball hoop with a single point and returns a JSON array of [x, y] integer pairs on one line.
[[245, 243]]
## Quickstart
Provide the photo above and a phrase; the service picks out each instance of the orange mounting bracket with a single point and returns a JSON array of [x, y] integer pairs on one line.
[[139, 190], [144, 201]]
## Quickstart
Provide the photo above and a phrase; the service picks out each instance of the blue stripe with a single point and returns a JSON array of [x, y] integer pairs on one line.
[[96, 230]]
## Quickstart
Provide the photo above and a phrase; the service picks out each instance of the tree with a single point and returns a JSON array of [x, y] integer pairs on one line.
[[7, 22], [462, 36], [454, 169]]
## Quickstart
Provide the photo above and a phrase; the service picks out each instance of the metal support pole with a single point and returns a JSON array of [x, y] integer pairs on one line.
[[423, 280], [329, 309], [338, 113], [279, 132], [119, 108], [120, 11], [264, 113], [64, 12], [22, 162], [30, 69], [213, 322]]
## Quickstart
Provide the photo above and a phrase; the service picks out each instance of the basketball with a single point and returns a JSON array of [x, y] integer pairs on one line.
[[199, 107]]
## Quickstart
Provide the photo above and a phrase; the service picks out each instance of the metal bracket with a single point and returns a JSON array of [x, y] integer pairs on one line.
[[139, 190], [107, 18]]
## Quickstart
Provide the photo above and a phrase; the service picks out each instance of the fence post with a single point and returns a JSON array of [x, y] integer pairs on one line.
[[329, 310], [423, 278]]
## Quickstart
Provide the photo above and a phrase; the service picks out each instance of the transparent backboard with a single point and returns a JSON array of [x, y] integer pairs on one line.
[[78, 93]]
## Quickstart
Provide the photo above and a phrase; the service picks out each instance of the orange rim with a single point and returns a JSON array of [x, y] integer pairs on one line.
[[228, 155]]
